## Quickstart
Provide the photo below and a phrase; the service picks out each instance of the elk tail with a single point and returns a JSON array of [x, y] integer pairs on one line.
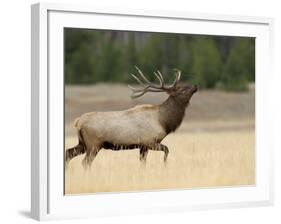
[[76, 123], [80, 134], [78, 149]]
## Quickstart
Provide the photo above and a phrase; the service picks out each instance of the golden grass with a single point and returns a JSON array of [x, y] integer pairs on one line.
[[210, 159]]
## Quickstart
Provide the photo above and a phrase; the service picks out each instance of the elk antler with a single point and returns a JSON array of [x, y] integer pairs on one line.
[[151, 87]]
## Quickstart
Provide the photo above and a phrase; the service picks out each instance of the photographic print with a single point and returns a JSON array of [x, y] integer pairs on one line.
[[157, 111]]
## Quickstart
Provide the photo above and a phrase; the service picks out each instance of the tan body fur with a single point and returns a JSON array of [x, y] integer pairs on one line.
[[141, 122]]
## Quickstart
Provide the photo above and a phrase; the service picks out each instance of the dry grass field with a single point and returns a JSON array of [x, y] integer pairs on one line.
[[214, 146]]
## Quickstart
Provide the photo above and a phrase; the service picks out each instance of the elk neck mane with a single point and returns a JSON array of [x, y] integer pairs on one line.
[[171, 113]]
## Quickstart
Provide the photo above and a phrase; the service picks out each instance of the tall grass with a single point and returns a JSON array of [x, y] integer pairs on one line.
[[211, 159]]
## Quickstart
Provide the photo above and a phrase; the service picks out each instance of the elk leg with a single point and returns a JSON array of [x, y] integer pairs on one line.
[[89, 157], [166, 151], [143, 153], [73, 152], [161, 147]]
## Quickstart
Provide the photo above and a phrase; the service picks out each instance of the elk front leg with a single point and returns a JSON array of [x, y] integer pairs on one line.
[[143, 154], [161, 147]]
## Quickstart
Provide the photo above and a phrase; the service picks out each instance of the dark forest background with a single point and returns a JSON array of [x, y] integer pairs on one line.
[[223, 62]]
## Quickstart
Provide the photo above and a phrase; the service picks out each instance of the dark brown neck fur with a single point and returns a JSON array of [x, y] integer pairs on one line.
[[171, 113]]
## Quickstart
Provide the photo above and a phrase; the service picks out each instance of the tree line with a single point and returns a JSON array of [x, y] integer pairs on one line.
[[93, 56]]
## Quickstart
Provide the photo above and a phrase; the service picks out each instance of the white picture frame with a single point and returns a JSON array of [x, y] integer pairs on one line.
[[47, 198]]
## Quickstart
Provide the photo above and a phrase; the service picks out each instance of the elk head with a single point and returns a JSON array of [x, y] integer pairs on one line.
[[180, 93]]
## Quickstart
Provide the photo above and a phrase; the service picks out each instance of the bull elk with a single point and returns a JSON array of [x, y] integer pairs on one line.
[[143, 126]]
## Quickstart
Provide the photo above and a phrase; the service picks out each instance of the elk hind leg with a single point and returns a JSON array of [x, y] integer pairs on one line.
[[73, 152], [90, 156]]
